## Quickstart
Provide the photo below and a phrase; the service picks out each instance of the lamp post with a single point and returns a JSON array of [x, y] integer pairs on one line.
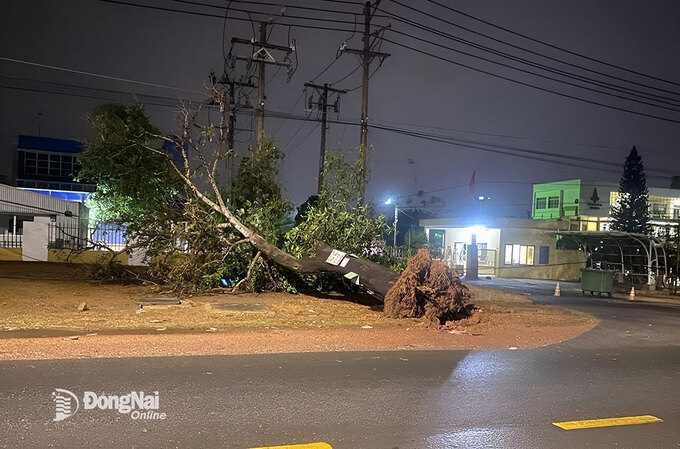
[[677, 259], [396, 218], [481, 199]]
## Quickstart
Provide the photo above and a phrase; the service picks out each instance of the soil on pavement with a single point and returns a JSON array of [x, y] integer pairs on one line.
[[39, 319]]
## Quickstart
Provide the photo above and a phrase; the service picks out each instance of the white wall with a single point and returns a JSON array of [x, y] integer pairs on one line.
[[35, 240]]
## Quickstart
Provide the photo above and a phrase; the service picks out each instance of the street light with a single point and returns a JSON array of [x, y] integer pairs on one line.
[[482, 198], [396, 218]]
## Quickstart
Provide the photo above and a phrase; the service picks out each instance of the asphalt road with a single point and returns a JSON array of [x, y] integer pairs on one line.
[[628, 365]]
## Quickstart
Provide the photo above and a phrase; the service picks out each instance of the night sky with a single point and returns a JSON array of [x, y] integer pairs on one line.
[[558, 137]]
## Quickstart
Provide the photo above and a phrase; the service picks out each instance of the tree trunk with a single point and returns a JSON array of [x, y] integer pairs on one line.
[[373, 277]]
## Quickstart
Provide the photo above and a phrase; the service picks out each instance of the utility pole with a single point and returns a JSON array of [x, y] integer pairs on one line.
[[261, 82], [230, 87], [366, 58], [323, 106], [264, 53]]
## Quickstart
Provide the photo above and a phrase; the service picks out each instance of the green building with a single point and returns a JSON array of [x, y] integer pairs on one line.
[[587, 204]]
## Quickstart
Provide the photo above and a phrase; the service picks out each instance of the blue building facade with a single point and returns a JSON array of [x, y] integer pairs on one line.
[[49, 166]]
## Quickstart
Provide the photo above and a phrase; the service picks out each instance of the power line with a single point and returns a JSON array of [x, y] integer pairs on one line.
[[505, 42], [538, 41], [346, 76], [326, 68], [509, 151], [464, 143], [98, 75], [505, 136], [297, 131], [280, 5], [607, 85], [543, 89], [369, 77], [221, 17], [311, 131], [524, 153], [174, 100], [72, 94], [534, 73], [283, 120]]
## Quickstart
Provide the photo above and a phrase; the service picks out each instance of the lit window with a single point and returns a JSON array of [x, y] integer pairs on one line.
[[508, 254], [530, 256], [519, 254]]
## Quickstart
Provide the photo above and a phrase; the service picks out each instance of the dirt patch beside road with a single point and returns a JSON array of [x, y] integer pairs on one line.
[[284, 341], [250, 323]]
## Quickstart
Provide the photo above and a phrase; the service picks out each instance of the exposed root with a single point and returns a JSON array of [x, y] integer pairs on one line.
[[428, 290]]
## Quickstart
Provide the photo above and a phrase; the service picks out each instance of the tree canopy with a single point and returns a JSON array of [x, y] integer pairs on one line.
[[631, 211], [135, 187]]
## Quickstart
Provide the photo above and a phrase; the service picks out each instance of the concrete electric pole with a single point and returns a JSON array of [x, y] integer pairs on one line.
[[323, 106], [366, 58], [264, 53], [230, 88]]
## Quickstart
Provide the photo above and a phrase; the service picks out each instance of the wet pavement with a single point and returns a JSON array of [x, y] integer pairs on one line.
[[628, 365]]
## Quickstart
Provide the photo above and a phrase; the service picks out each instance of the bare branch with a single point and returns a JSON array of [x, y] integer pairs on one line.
[[250, 271]]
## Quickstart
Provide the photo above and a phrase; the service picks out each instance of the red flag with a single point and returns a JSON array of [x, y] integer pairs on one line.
[[472, 184]]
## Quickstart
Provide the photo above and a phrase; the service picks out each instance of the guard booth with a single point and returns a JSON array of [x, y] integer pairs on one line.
[[636, 260]]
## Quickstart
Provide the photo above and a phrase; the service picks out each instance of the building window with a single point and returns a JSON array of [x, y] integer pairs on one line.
[[553, 202], [49, 165], [676, 213], [543, 255], [519, 254], [43, 164], [658, 210], [30, 164], [482, 251], [541, 203], [66, 166]]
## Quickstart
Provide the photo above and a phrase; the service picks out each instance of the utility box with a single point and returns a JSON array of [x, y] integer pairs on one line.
[[597, 281]]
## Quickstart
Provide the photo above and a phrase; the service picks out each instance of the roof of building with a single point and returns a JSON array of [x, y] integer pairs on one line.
[[493, 222], [49, 144], [22, 202], [661, 191]]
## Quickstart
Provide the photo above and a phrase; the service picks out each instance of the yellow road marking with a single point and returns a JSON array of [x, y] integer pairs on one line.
[[299, 446], [607, 422]]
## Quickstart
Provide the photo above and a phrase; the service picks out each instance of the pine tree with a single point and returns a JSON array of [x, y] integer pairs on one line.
[[631, 211]]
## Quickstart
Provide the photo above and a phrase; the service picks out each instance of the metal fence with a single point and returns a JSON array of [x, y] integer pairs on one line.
[[78, 235], [10, 240], [399, 252]]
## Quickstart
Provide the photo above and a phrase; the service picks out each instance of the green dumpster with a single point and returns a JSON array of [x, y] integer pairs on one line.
[[597, 281]]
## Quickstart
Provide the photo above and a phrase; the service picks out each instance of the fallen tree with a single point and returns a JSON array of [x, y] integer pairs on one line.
[[208, 146], [421, 292]]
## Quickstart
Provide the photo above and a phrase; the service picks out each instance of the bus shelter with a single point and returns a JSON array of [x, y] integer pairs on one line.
[[637, 259]]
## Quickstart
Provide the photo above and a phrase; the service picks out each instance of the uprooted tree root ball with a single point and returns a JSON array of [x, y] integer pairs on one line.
[[429, 290]]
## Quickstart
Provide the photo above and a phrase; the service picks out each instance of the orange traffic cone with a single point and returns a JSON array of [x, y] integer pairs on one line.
[[557, 290], [632, 294]]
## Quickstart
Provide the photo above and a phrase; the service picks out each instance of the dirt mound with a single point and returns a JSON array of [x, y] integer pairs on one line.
[[429, 290]]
